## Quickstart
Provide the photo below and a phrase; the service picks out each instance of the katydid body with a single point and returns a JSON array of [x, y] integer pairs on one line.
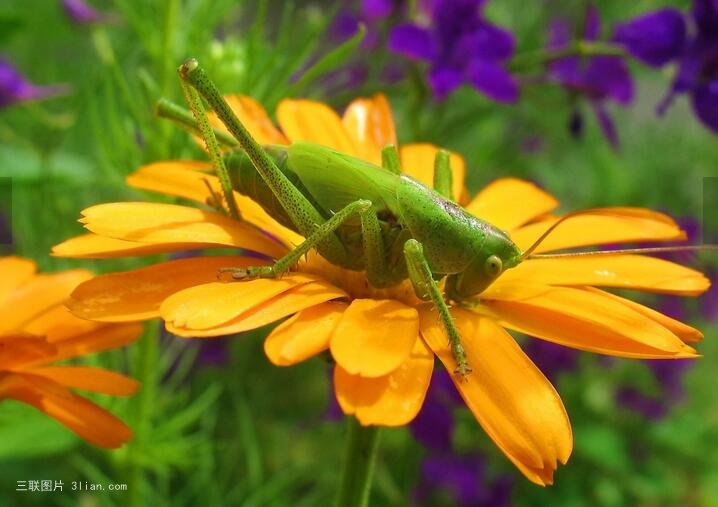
[[360, 216]]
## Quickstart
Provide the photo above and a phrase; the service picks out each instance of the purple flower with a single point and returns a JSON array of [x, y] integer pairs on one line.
[[80, 12], [636, 401], [434, 425], [371, 13], [598, 79], [697, 73], [550, 358], [213, 352], [377, 9], [464, 479], [654, 38], [460, 46], [15, 88], [669, 375]]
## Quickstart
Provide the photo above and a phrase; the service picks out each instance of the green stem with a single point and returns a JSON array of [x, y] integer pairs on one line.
[[578, 48], [356, 478], [146, 361]]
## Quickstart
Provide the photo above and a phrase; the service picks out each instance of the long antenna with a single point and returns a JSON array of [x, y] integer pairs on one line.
[[622, 251], [593, 211]]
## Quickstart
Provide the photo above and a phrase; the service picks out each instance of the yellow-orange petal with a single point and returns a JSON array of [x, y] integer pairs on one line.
[[58, 324], [94, 246], [374, 337], [87, 420], [370, 124], [19, 349], [307, 120], [39, 294], [637, 272], [211, 304], [417, 160], [508, 203], [89, 378], [304, 335], [14, 271], [287, 303], [153, 223], [606, 225], [254, 118], [165, 178], [104, 338], [391, 400], [511, 399], [683, 331], [138, 294], [581, 319]]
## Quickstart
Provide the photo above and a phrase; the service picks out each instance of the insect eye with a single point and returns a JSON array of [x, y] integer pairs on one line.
[[493, 266]]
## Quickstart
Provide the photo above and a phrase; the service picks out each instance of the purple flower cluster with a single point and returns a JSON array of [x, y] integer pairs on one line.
[[463, 478], [651, 38], [461, 46], [16, 88], [697, 57], [656, 39]]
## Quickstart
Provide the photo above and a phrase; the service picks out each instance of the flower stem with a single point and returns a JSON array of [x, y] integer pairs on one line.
[[356, 478], [578, 48], [145, 363]]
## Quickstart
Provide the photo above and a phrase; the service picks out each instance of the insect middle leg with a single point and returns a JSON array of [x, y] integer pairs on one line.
[[427, 289]]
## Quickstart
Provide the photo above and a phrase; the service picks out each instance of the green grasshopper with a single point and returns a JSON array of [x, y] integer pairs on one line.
[[363, 217]]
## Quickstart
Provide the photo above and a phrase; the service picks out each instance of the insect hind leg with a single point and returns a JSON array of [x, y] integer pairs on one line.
[[299, 209]]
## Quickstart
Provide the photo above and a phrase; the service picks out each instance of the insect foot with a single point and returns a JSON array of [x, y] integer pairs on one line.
[[249, 273], [462, 371]]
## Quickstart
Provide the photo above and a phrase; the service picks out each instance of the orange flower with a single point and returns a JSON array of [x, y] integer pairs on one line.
[[384, 341], [36, 330]]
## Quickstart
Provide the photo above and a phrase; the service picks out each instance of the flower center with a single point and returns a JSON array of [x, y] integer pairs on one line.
[[355, 283]]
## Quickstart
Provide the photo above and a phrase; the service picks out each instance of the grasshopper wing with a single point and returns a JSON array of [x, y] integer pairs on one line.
[[335, 179]]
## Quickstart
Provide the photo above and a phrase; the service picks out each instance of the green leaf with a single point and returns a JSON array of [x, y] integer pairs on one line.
[[328, 62]]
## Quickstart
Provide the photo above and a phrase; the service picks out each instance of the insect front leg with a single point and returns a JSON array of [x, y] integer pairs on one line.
[[320, 234], [427, 289], [299, 209]]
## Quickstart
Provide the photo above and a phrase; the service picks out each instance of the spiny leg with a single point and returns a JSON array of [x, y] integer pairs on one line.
[[427, 289], [195, 104], [299, 209], [321, 232], [375, 254], [442, 175]]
